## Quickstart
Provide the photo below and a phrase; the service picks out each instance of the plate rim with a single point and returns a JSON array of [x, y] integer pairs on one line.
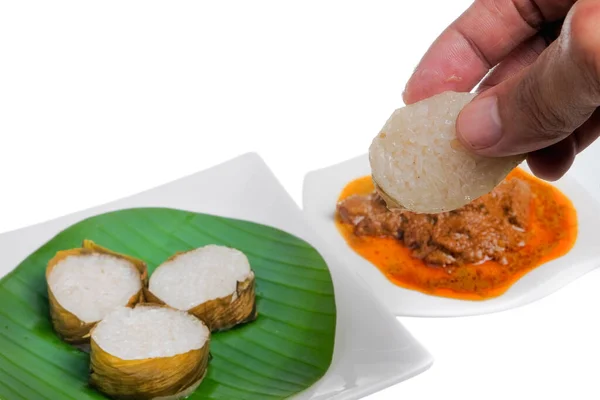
[[422, 363], [352, 259]]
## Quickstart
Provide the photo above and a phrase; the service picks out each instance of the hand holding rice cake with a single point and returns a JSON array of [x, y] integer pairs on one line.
[[419, 165]]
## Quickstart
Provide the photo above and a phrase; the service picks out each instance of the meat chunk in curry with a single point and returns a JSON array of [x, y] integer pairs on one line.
[[483, 230]]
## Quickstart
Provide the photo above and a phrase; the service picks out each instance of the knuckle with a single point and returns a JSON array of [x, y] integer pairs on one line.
[[530, 13], [584, 37], [538, 113]]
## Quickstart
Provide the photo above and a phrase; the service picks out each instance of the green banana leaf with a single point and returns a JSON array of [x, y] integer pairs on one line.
[[286, 350]]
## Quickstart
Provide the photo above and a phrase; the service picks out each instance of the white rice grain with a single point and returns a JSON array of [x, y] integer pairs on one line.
[[92, 285], [203, 274], [148, 332]]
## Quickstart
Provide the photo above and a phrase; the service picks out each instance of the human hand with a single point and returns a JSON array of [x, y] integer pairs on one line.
[[542, 93]]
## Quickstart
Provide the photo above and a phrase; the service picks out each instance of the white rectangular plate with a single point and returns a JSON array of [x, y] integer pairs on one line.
[[372, 350], [323, 187]]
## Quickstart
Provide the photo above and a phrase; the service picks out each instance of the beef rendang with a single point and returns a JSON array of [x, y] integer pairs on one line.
[[475, 252]]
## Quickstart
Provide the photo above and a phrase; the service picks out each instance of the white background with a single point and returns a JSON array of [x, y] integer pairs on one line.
[[100, 100]]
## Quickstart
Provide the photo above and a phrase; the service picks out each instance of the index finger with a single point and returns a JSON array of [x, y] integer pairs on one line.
[[478, 40]]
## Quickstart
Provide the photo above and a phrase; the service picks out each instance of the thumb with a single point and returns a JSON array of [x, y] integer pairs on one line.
[[546, 101]]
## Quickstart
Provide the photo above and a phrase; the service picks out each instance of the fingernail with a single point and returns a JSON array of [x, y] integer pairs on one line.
[[479, 123]]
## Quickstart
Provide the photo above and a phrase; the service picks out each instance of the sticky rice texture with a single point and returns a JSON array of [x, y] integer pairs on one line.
[[148, 352], [92, 285], [149, 332], [418, 163], [200, 275]]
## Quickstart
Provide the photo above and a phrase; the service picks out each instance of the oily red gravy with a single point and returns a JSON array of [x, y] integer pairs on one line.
[[475, 252]]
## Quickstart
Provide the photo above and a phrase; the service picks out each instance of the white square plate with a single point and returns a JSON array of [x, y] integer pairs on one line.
[[372, 350], [320, 194]]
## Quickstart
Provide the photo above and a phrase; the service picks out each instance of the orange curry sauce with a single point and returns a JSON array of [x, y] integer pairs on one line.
[[552, 233]]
